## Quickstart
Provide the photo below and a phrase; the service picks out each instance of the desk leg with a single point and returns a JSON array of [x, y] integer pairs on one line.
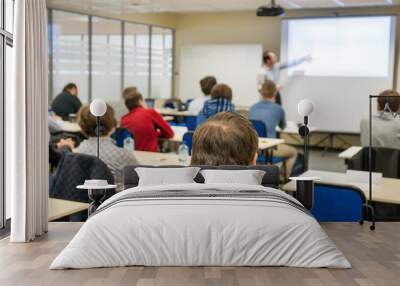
[[96, 197]]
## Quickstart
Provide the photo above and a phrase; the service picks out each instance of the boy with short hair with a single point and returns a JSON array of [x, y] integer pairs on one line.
[[227, 138], [206, 85], [146, 124], [273, 115], [221, 100]]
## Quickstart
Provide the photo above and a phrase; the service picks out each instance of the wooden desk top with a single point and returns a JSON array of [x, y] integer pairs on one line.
[[350, 152], [159, 159], [179, 131], [387, 192], [263, 143], [172, 112], [267, 143], [61, 208], [69, 126]]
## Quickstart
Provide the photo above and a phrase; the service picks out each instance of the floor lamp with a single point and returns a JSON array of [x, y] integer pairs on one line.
[[369, 207], [305, 185], [98, 108], [96, 188]]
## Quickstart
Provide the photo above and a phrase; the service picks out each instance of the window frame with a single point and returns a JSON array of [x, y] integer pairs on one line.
[[6, 39], [123, 50]]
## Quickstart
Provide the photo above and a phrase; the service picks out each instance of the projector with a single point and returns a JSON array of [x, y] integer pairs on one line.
[[270, 11]]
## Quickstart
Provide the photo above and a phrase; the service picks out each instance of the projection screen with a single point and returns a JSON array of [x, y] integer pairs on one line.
[[352, 57]]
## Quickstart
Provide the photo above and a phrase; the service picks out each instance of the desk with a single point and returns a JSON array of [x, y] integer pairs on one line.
[[68, 126], [263, 143], [159, 159], [350, 152], [172, 112], [60, 208], [387, 192], [268, 143], [179, 131]]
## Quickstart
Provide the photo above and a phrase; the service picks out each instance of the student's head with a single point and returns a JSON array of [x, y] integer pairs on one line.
[[71, 88], [87, 122], [269, 58], [129, 91], [221, 91], [268, 90], [207, 83], [394, 102], [227, 138], [134, 99]]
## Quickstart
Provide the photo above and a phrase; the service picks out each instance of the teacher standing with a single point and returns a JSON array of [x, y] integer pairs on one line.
[[271, 70]]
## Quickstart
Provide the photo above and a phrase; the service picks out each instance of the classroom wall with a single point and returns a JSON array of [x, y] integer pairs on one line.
[[168, 20], [237, 28], [246, 27]]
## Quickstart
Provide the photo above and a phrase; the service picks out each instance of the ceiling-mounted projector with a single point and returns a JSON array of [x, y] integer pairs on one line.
[[270, 11]]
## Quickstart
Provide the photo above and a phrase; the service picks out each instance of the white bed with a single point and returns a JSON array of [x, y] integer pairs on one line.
[[225, 225]]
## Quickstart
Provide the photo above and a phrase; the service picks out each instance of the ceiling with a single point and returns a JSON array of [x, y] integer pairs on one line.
[[185, 6]]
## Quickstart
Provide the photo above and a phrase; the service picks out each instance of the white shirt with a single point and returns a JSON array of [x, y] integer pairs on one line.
[[274, 73], [196, 105]]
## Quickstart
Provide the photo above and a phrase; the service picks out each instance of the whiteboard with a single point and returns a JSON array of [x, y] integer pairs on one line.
[[234, 65], [341, 99]]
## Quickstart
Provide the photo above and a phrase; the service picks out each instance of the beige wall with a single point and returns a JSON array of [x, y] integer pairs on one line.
[[246, 27], [237, 28], [159, 19]]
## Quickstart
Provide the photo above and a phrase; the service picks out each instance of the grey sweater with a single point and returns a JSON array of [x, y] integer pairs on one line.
[[385, 131]]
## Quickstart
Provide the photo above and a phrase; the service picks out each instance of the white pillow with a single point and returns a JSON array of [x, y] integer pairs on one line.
[[248, 177], [166, 176]]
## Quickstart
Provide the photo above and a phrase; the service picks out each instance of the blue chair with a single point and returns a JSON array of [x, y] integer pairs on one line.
[[334, 203], [150, 102], [191, 122], [188, 139], [261, 130], [119, 135]]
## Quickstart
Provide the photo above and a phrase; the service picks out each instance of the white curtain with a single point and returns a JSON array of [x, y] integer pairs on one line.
[[26, 123]]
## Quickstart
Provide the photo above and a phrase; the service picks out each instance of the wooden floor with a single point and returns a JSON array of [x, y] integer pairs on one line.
[[375, 257]]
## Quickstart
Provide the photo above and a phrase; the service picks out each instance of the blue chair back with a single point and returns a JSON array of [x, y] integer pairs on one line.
[[191, 122], [169, 104], [150, 102], [119, 135], [260, 127], [337, 203], [187, 139]]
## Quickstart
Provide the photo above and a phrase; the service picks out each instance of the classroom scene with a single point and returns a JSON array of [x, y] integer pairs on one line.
[[149, 142]]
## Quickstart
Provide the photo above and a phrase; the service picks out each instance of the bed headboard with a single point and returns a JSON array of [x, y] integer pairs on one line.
[[270, 179]]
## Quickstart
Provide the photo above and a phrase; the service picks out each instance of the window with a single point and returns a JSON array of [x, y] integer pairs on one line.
[[136, 57], [6, 42], [161, 62], [106, 59], [103, 56], [69, 50]]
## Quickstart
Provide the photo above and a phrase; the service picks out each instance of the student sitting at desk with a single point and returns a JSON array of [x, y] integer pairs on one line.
[[273, 115], [206, 85], [228, 138], [221, 100], [67, 102], [146, 124], [116, 158], [385, 127]]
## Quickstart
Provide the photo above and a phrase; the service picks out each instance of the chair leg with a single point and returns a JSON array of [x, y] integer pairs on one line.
[[370, 211], [285, 178]]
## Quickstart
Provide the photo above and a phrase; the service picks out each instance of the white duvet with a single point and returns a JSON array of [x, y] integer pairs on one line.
[[204, 231]]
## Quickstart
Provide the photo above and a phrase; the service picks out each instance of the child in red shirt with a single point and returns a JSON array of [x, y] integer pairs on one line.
[[146, 125]]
